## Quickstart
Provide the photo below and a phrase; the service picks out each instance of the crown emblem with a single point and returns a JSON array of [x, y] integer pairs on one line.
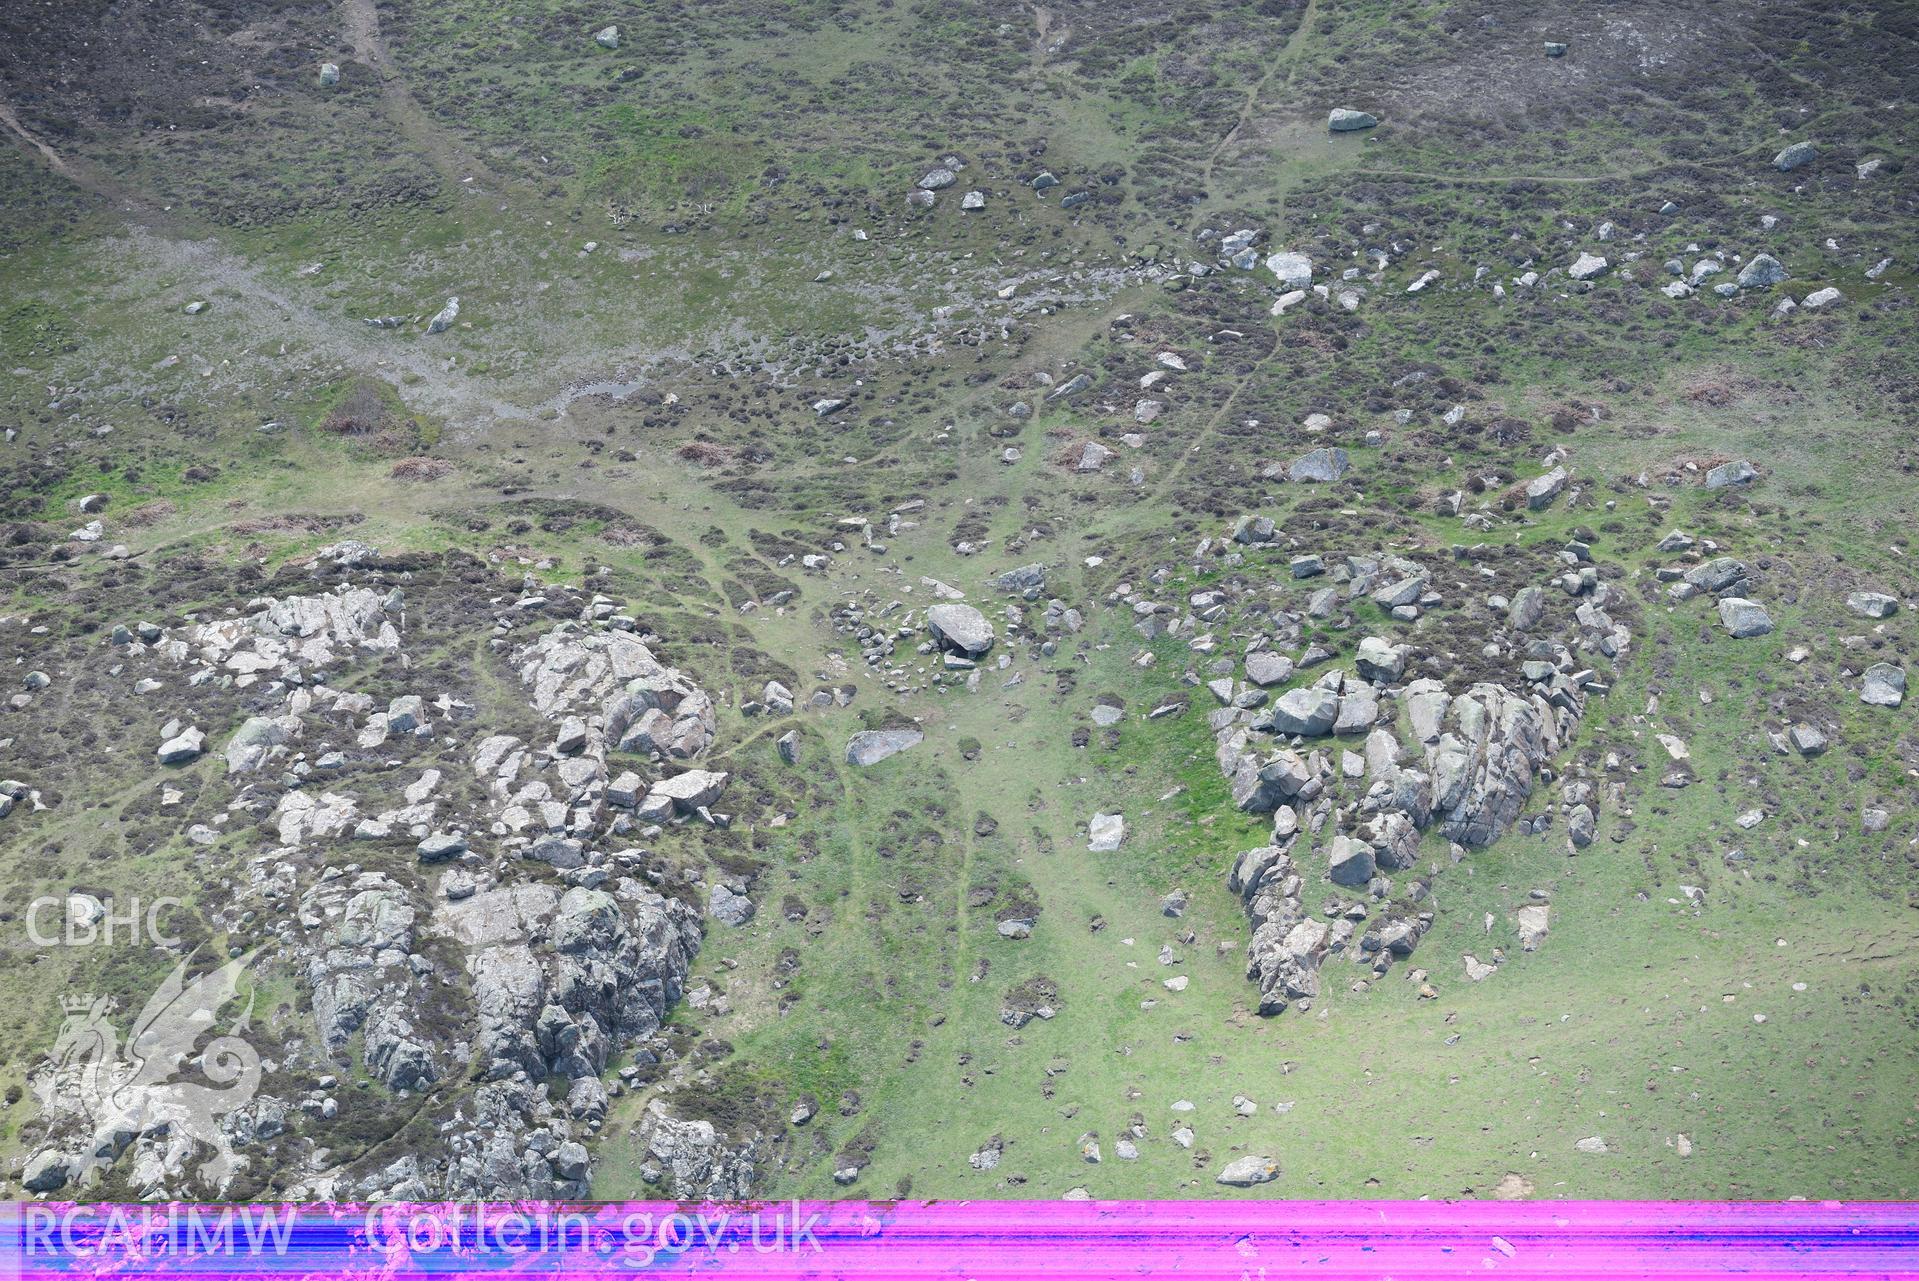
[[77, 1004]]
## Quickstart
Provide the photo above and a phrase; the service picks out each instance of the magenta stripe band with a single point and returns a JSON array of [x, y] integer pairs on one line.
[[966, 1239]]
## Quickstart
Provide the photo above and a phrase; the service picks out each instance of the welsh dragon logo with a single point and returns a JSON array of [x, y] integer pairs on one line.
[[113, 1094]]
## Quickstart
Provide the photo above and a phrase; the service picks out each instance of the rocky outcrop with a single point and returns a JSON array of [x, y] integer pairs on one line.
[[1462, 763], [561, 979], [605, 692], [691, 1160], [1485, 759], [364, 973]]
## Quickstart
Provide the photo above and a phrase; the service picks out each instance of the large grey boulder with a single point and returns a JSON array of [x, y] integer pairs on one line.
[[960, 628], [1268, 667], [1427, 703], [1295, 270], [1071, 387], [1527, 609], [1092, 456], [1736, 472], [1308, 712], [1763, 272], [1024, 579], [405, 714], [1541, 490], [624, 792], [1587, 267], [1350, 862], [1350, 119], [692, 790], [1251, 530], [182, 747], [1808, 739], [1358, 709], [870, 747], [1717, 574], [1799, 153], [1580, 822], [440, 847], [1534, 921], [1872, 604], [1260, 788], [1484, 759], [1744, 619], [1248, 1171], [1321, 466], [1885, 686], [1379, 659], [1403, 591]]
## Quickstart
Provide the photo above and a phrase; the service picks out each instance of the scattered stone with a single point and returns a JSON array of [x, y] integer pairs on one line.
[[1807, 740], [870, 747], [1587, 266], [1321, 466], [1535, 920], [1872, 604], [1885, 686]]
